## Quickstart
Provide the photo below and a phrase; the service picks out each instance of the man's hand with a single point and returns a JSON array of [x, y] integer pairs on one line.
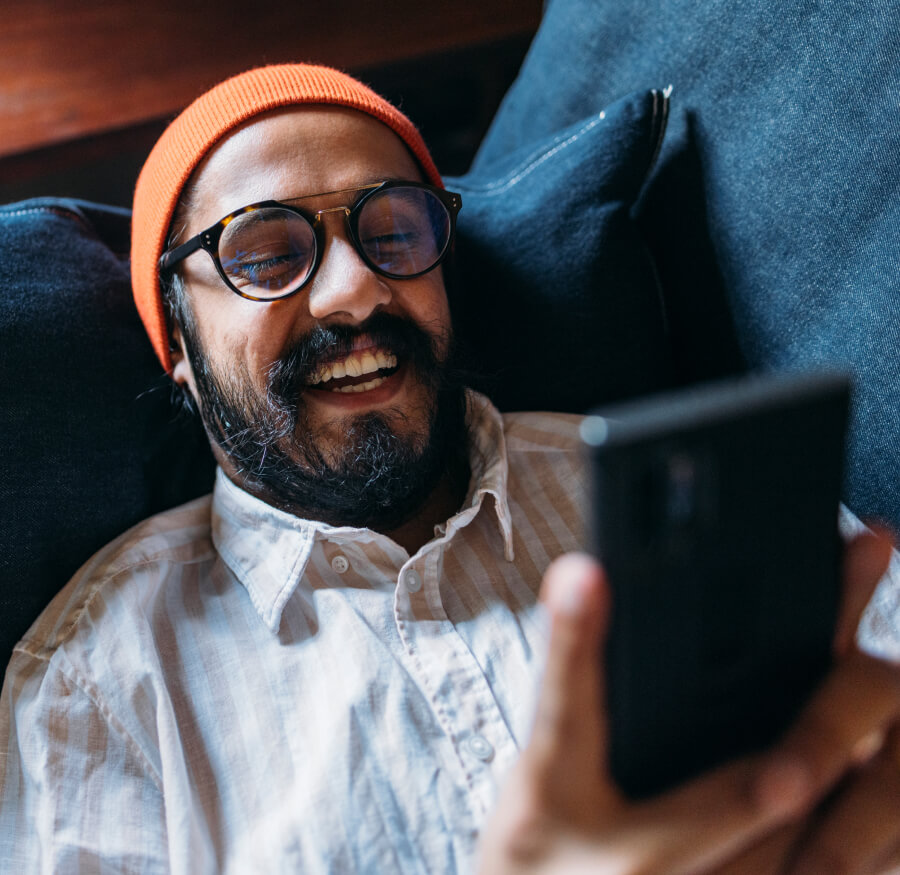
[[825, 799]]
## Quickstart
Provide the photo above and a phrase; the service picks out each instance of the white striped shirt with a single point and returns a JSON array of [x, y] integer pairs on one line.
[[228, 688]]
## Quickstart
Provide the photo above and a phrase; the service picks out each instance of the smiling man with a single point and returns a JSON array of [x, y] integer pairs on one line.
[[331, 663], [325, 379]]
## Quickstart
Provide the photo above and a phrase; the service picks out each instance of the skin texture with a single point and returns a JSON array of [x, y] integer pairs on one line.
[[824, 800], [293, 153]]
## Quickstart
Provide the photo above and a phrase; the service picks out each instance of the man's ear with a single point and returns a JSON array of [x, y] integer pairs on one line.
[[182, 372]]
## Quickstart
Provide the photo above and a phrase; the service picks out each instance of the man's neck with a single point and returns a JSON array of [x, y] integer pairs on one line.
[[444, 501]]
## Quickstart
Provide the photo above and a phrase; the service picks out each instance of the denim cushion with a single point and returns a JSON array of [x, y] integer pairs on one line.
[[89, 444], [554, 290], [774, 210]]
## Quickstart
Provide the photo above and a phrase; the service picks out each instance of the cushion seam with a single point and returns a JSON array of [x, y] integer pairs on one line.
[[62, 212], [532, 164]]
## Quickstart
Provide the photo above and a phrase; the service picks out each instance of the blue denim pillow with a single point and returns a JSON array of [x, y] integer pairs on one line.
[[773, 213], [554, 292], [89, 445]]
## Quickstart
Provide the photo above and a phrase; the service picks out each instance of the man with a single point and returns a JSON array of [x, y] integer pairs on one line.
[[329, 664]]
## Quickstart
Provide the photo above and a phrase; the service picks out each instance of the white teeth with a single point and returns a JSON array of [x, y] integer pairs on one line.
[[360, 387], [355, 365], [383, 360]]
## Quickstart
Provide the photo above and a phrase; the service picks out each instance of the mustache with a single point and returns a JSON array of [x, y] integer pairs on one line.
[[376, 477], [292, 371]]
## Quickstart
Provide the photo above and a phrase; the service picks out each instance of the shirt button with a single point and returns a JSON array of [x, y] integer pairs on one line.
[[340, 564], [480, 747], [413, 581]]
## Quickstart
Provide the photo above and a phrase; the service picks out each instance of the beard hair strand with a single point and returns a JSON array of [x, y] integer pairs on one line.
[[380, 471]]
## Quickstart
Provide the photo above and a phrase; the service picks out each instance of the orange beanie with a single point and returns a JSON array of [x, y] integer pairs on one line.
[[190, 137]]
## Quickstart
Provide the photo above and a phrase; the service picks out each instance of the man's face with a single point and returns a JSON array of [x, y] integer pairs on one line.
[[361, 456]]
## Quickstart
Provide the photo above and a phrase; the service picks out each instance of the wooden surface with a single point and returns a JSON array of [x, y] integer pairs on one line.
[[71, 69]]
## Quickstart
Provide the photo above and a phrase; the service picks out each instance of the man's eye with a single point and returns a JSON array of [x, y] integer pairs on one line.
[[392, 240], [270, 271], [267, 249]]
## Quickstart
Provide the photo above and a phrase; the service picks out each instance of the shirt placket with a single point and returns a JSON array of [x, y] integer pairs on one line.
[[460, 694]]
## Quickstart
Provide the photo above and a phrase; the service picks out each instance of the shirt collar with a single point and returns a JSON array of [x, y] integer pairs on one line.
[[269, 549]]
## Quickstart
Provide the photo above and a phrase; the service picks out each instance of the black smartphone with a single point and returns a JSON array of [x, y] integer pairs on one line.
[[715, 514]]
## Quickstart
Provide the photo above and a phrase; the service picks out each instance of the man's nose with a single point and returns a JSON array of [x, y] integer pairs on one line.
[[344, 285]]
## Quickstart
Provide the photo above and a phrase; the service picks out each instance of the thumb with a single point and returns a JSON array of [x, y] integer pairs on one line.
[[568, 742]]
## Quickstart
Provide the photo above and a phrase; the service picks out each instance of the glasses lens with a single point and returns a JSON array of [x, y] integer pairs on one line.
[[403, 231], [267, 253]]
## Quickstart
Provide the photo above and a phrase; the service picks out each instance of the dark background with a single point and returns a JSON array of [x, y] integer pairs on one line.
[[87, 87]]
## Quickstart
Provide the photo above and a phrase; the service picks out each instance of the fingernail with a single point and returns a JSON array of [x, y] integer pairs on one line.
[[867, 747], [784, 786], [572, 598], [571, 588]]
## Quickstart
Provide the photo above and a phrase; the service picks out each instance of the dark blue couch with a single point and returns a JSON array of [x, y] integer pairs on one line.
[[760, 230]]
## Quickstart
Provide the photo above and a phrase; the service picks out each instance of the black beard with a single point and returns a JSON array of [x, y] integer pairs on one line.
[[375, 478]]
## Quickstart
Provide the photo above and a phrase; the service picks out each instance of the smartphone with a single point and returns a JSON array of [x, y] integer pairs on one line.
[[715, 515]]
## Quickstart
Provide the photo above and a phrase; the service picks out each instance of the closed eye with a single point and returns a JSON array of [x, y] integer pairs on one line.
[[271, 271]]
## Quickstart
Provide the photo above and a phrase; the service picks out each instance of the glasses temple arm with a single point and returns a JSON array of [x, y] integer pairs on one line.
[[169, 259]]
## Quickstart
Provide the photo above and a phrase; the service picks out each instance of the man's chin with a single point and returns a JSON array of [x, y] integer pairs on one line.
[[363, 472], [329, 421], [366, 456]]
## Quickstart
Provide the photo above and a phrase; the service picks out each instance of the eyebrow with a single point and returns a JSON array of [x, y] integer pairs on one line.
[[261, 216], [369, 182]]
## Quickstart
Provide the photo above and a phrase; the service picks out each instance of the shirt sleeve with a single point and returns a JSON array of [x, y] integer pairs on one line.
[[879, 628], [76, 793]]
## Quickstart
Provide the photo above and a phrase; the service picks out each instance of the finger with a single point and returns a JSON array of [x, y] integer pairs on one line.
[[858, 701], [728, 810], [766, 855], [866, 558], [861, 826], [890, 865], [725, 813], [568, 737]]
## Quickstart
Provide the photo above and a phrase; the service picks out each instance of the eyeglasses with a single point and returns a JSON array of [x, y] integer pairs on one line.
[[270, 250]]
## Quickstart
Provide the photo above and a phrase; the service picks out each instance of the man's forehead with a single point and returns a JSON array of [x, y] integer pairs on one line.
[[298, 151]]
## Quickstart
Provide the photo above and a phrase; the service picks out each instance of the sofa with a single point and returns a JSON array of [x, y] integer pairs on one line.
[[669, 193]]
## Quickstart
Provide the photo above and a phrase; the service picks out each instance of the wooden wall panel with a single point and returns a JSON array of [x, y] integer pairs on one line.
[[70, 69]]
